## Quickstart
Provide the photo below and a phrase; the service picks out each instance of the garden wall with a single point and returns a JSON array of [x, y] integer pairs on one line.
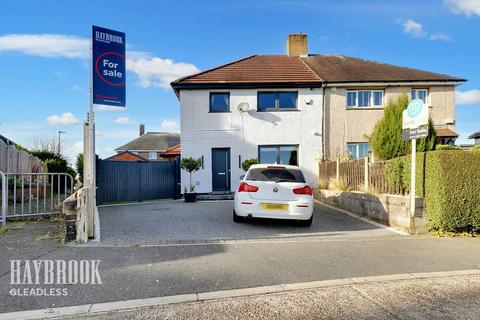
[[391, 210]]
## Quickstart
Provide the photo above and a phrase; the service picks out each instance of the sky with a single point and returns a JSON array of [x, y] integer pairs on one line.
[[44, 56]]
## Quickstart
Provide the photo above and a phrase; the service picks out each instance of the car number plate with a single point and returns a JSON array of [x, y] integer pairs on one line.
[[274, 206]]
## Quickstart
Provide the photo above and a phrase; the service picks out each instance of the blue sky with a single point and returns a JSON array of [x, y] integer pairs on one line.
[[45, 68]]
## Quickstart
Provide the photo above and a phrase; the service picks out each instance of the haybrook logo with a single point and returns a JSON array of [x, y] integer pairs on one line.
[[107, 37], [50, 273]]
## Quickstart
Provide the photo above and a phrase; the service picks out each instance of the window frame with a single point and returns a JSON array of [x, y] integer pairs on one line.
[[212, 93], [277, 101], [372, 99], [154, 153], [277, 155], [357, 147], [420, 89]]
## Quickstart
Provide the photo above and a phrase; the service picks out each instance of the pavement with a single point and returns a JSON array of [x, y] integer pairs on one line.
[[171, 222], [131, 271], [440, 298]]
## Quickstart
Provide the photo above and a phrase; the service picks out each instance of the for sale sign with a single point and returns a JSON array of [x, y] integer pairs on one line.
[[415, 120], [108, 58]]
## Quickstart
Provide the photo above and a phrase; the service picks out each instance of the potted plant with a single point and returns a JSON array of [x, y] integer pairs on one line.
[[191, 165]]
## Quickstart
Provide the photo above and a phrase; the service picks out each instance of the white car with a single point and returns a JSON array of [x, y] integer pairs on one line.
[[276, 192]]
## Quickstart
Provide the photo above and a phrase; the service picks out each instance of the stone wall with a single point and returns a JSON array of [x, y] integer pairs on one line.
[[391, 210]]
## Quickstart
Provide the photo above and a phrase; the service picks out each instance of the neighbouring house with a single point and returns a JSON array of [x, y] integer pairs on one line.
[[148, 146], [296, 108], [476, 137]]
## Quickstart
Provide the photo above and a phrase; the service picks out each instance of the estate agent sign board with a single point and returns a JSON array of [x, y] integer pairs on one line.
[[108, 67]]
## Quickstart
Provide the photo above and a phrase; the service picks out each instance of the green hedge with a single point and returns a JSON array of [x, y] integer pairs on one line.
[[449, 181], [447, 147]]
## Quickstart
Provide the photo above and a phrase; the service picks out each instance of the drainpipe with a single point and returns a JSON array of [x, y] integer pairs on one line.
[[323, 120]]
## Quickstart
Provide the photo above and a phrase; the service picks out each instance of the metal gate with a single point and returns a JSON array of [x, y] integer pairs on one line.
[[124, 181], [26, 195]]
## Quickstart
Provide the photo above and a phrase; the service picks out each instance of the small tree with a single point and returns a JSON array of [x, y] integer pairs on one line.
[[386, 139], [247, 163], [191, 165]]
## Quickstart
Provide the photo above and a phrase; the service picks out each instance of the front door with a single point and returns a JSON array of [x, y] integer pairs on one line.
[[221, 169]]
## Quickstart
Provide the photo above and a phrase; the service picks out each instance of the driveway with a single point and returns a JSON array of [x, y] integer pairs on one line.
[[169, 222]]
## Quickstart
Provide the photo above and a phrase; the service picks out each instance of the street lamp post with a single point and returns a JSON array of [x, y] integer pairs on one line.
[[59, 139]]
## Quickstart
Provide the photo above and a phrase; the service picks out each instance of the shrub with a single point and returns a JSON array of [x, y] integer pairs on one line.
[[449, 180], [395, 173], [247, 163], [322, 184], [476, 148], [79, 166], [340, 184], [191, 165], [386, 139], [447, 147]]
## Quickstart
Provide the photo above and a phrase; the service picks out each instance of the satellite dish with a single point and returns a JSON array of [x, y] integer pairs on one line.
[[243, 107]]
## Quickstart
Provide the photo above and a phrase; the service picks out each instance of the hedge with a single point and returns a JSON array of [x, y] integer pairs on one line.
[[449, 180]]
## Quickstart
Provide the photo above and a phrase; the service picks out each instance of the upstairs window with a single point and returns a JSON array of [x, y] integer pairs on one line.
[[277, 101], [364, 99], [219, 101], [421, 94]]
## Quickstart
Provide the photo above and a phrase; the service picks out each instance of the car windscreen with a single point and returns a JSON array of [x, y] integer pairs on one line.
[[275, 175]]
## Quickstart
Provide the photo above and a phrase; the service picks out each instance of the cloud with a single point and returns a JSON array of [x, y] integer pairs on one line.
[[416, 30], [123, 120], [151, 71], [66, 119], [169, 124], [46, 45], [440, 36], [467, 97], [466, 7], [158, 72]]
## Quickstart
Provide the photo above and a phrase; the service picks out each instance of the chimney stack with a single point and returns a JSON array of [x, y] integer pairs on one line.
[[142, 130], [297, 45]]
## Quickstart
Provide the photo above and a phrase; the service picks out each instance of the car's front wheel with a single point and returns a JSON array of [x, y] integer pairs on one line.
[[306, 223], [237, 218]]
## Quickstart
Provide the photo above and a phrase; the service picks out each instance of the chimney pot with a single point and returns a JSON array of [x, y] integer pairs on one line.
[[142, 130], [297, 45]]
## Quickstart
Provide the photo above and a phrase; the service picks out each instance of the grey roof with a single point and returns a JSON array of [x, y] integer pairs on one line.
[[474, 135], [157, 141]]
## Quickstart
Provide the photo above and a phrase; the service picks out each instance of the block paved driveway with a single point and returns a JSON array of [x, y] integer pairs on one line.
[[174, 221]]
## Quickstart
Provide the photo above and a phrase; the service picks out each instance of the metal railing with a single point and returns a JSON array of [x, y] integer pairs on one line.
[[33, 194]]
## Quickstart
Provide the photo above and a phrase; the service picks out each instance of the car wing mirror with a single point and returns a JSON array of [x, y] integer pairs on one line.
[[242, 177]]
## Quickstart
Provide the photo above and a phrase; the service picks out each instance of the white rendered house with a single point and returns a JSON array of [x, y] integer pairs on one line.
[[295, 109]]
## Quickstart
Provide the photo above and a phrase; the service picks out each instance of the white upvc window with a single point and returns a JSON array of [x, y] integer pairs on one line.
[[358, 150], [421, 94], [365, 99], [152, 156]]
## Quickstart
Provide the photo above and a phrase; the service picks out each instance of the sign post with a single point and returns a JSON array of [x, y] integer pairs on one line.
[[107, 87], [415, 126]]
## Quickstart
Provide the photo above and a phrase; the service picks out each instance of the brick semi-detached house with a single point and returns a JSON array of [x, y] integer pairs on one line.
[[149, 146], [296, 108]]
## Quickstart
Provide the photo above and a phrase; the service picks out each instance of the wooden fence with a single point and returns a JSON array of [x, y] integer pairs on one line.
[[360, 175], [15, 161]]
